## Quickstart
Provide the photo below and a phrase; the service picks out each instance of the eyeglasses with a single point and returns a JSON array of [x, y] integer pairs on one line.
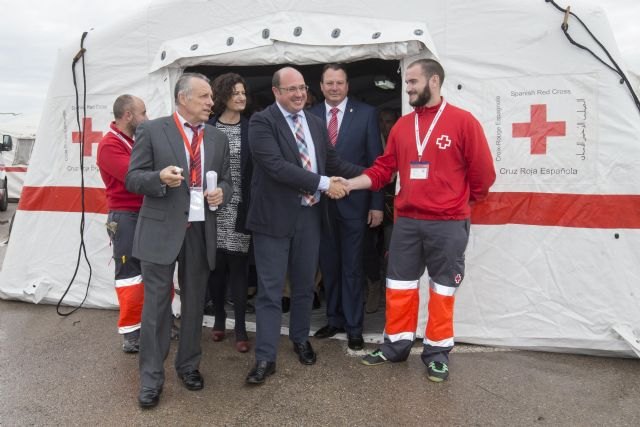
[[293, 89]]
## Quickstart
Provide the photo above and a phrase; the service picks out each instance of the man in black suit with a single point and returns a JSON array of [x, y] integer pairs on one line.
[[353, 130], [168, 165], [292, 155]]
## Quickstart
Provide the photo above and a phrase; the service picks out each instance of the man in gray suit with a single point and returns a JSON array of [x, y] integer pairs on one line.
[[291, 154], [168, 165]]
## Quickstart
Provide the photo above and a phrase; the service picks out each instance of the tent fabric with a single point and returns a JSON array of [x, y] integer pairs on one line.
[[264, 40], [552, 262]]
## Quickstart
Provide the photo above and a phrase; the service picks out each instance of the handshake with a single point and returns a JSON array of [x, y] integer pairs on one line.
[[338, 188]]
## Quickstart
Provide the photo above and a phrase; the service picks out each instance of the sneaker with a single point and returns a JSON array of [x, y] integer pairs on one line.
[[437, 371], [374, 358], [131, 345]]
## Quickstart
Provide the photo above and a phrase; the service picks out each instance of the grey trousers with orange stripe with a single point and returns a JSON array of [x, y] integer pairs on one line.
[[121, 226], [439, 248]]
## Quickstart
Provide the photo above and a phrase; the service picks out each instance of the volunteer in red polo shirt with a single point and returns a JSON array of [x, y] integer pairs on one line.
[[444, 165], [114, 152]]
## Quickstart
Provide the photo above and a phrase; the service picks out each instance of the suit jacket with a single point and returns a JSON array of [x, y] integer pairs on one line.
[[359, 143], [279, 179], [246, 172], [162, 223]]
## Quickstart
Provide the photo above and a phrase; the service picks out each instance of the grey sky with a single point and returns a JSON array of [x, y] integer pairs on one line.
[[31, 32]]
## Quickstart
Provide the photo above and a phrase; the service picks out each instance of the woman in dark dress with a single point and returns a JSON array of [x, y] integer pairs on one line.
[[232, 256]]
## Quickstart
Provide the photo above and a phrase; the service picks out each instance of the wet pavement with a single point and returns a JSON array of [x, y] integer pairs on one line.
[[71, 371]]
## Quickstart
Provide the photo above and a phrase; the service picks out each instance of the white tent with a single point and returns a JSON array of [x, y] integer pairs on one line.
[[553, 260]]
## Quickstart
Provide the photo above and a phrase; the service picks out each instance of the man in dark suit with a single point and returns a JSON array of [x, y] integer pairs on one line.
[[168, 165], [292, 156], [353, 130]]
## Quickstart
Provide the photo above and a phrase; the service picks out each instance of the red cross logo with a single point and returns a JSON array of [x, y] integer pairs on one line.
[[443, 142], [90, 137], [539, 129]]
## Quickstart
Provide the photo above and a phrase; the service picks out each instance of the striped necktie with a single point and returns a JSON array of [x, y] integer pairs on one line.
[[332, 127], [195, 163], [307, 199]]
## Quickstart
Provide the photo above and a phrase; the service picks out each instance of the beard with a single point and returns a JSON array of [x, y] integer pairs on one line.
[[133, 125], [422, 99]]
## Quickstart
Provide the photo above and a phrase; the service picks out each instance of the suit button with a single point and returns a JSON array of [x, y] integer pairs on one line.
[[186, 213]]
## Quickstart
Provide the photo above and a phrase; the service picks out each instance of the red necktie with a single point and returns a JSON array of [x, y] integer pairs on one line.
[[195, 164], [332, 127]]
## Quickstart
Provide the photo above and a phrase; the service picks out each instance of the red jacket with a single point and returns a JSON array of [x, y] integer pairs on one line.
[[460, 165], [113, 161]]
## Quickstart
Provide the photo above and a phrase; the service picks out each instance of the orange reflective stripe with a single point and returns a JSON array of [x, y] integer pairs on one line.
[[440, 323], [402, 311], [130, 299]]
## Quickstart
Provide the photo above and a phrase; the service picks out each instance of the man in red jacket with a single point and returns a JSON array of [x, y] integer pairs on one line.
[[114, 152], [444, 164]]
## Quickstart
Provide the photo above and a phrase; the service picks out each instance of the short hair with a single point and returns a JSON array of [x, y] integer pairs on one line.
[[122, 104], [223, 87], [334, 67], [275, 81], [183, 85], [429, 68]]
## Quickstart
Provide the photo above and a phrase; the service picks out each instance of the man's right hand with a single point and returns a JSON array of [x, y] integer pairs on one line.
[[337, 188], [172, 176]]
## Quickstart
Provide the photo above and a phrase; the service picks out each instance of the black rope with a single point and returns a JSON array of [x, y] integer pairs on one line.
[[615, 68], [82, 248]]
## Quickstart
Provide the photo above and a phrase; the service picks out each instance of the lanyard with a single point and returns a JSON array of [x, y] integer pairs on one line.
[[423, 145], [124, 141], [187, 144]]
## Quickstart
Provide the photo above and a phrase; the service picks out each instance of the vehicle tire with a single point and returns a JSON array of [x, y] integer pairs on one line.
[[4, 203]]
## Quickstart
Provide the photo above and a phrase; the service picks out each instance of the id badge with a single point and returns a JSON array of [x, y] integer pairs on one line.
[[196, 204], [419, 170]]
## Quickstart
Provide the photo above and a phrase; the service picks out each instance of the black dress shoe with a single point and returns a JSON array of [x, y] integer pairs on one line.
[[356, 342], [149, 397], [261, 371], [327, 331], [192, 380], [305, 353]]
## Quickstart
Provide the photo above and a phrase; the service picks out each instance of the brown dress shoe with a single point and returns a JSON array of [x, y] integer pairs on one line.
[[217, 335], [243, 346]]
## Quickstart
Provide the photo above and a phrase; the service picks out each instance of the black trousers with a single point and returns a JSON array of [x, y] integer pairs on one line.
[[232, 271]]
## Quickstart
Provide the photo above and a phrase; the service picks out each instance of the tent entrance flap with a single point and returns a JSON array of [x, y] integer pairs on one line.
[[289, 37]]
